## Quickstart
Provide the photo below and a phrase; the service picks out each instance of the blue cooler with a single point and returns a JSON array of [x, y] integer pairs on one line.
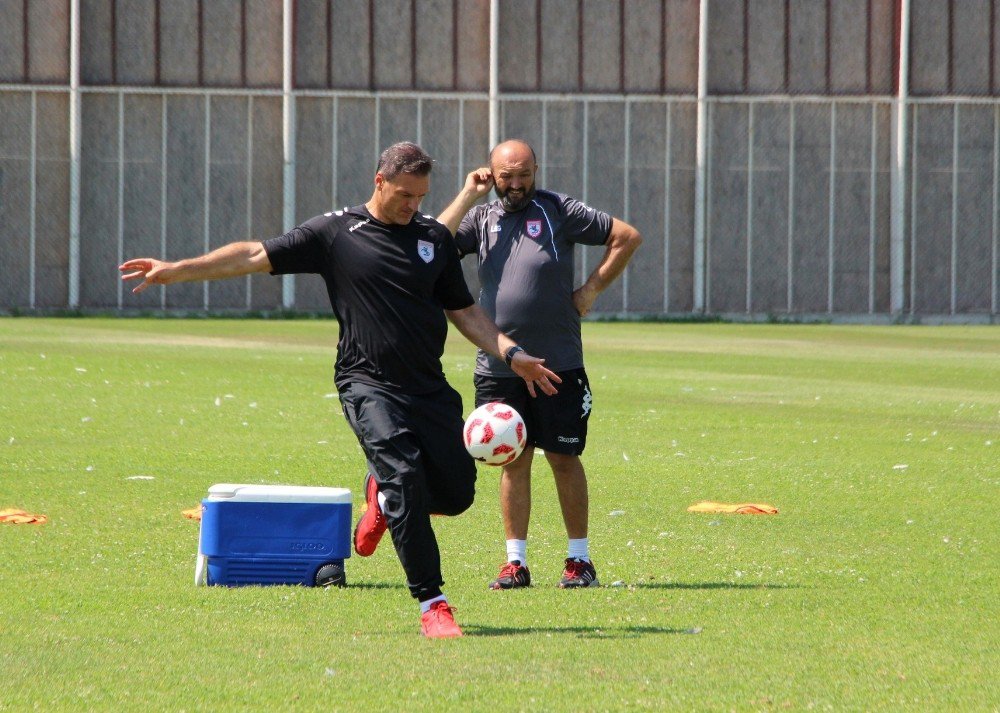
[[274, 534]]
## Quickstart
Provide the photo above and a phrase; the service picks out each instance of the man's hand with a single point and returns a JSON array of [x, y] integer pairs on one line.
[[477, 184], [583, 299], [152, 272], [534, 374]]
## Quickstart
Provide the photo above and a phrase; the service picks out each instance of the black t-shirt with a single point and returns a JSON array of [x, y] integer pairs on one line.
[[388, 285]]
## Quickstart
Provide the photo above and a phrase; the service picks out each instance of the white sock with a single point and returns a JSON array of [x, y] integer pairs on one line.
[[381, 501], [517, 551], [426, 606], [579, 550]]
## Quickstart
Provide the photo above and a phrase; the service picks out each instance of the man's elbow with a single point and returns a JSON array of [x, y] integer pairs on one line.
[[630, 238], [258, 257], [458, 316], [635, 239]]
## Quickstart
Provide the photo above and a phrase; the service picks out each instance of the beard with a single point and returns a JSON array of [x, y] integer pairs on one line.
[[515, 200]]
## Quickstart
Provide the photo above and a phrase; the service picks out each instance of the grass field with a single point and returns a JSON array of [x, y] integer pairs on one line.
[[877, 587]]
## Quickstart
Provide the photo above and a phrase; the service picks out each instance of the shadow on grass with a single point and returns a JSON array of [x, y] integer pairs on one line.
[[641, 585], [581, 632], [707, 585], [373, 585]]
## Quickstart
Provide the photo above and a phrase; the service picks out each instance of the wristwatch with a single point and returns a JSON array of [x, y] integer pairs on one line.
[[508, 356]]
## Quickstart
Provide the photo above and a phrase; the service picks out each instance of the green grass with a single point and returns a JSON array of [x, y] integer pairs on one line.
[[875, 588]]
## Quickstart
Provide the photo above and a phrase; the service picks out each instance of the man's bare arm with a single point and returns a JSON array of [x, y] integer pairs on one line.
[[230, 260], [623, 241], [477, 184]]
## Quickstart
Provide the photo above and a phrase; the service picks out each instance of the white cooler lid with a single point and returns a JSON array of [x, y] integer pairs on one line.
[[236, 492]]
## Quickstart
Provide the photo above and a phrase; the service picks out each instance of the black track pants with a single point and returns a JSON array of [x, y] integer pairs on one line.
[[414, 448]]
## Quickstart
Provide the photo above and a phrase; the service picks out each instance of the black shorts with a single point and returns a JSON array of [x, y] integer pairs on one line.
[[555, 423]]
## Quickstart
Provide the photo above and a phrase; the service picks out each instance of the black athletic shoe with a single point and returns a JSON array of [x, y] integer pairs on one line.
[[513, 575], [578, 574]]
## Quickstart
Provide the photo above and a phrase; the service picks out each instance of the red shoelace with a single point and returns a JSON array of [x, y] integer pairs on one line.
[[575, 569], [509, 570]]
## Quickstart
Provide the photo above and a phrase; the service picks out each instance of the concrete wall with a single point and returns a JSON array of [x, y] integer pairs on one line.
[[181, 146]]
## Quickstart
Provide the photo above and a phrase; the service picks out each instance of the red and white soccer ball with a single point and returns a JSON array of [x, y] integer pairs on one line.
[[494, 434]]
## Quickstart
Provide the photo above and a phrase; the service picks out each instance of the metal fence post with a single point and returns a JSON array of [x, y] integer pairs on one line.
[[494, 88], [288, 143], [700, 161], [897, 218], [74, 155]]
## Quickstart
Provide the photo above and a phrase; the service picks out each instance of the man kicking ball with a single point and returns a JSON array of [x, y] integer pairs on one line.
[[393, 276]]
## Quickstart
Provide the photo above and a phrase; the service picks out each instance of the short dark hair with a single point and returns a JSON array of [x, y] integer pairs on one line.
[[404, 157]]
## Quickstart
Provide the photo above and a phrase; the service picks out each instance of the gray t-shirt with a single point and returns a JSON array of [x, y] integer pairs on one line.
[[526, 272]]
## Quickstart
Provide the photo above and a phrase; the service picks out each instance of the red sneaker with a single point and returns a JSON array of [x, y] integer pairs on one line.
[[438, 622], [372, 524]]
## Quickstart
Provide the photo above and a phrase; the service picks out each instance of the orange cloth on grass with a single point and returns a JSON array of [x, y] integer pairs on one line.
[[192, 513], [734, 508], [22, 517]]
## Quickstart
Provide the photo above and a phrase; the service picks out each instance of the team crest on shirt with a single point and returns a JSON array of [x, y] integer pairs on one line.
[[425, 250], [534, 228]]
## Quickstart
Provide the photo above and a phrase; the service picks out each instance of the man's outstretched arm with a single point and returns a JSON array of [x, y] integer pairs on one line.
[[230, 260]]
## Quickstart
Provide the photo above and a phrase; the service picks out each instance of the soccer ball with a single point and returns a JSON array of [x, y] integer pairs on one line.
[[494, 434]]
